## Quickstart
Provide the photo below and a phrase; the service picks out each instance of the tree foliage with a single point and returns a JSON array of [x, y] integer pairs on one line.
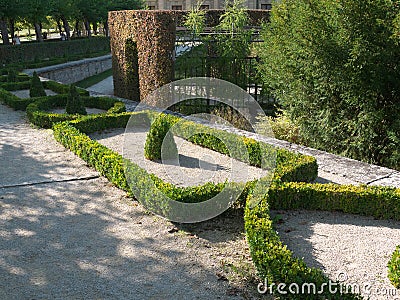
[[36, 12], [334, 65]]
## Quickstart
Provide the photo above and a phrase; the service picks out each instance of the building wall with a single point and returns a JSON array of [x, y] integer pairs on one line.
[[207, 4]]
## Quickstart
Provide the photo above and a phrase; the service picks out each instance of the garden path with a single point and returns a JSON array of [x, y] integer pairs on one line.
[[66, 232]]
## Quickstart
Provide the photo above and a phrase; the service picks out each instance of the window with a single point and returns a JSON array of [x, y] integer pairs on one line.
[[266, 6], [204, 6], [176, 7], [152, 7]]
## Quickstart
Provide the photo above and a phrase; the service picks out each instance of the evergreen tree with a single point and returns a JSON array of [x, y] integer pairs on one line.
[[334, 65]]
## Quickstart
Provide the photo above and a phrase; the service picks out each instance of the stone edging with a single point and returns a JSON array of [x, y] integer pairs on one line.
[[74, 71]]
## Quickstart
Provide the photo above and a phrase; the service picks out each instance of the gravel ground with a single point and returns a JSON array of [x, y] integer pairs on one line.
[[350, 248], [83, 239], [31, 155], [196, 165], [25, 93]]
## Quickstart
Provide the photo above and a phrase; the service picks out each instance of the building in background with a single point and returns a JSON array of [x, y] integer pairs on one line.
[[206, 4]]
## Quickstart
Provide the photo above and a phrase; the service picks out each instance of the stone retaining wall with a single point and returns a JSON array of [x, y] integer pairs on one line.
[[75, 71]]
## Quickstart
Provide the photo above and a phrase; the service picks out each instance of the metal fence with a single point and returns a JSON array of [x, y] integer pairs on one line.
[[193, 58]]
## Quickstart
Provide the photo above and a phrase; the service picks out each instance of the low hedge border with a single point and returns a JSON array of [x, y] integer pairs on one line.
[[375, 201], [21, 104], [13, 101], [394, 268], [277, 265], [305, 169], [19, 78], [73, 136], [38, 116], [60, 88], [273, 260], [15, 86]]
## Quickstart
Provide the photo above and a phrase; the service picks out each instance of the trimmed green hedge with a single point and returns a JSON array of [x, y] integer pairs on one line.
[[394, 268], [305, 168], [21, 104], [272, 259], [376, 201], [38, 116], [60, 88], [158, 134], [276, 264], [13, 101], [38, 51], [15, 86], [19, 78], [72, 135], [289, 190]]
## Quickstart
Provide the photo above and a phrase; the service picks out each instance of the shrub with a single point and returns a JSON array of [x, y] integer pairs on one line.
[[283, 128], [36, 89], [379, 202], [38, 115], [14, 86], [60, 88], [12, 75], [75, 104], [394, 268], [160, 142], [335, 70]]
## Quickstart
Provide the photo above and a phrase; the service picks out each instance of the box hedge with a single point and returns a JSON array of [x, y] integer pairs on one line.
[[38, 115], [27, 52], [394, 268], [77, 142], [276, 263], [289, 190], [20, 103]]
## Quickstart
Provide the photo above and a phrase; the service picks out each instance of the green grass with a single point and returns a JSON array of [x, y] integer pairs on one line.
[[87, 82]]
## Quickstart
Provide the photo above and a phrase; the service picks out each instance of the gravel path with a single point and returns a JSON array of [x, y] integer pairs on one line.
[[196, 165], [25, 93], [83, 239], [350, 248]]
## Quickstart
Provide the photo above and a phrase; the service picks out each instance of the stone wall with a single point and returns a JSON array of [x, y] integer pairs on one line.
[[142, 47], [75, 71]]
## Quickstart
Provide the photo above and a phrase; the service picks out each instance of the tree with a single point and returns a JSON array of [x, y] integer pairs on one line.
[[35, 13], [9, 11], [334, 66], [62, 12]]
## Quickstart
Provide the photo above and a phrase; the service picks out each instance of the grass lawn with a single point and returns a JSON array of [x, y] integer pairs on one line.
[[87, 82]]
